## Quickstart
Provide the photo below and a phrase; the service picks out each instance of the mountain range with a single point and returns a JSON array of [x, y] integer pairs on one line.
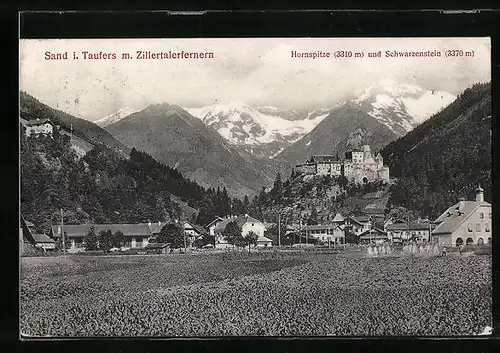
[[174, 137], [241, 147], [262, 131], [267, 132]]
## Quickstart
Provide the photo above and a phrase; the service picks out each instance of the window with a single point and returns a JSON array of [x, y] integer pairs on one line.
[[490, 215], [478, 227], [460, 241], [489, 240], [470, 241], [481, 215], [480, 241], [487, 227], [253, 224], [469, 227]]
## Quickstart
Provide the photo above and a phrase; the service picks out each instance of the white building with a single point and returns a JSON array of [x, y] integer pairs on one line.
[[466, 222], [247, 224], [38, 127]]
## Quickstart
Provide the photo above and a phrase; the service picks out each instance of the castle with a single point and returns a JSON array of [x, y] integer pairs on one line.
[[359, 166]]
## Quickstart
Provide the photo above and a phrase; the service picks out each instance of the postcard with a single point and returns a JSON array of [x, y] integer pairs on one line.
[[284, 187]]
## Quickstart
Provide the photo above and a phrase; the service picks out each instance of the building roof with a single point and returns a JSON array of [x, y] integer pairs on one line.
[[410, 226], [240, 221], [218, 219], [457, 214], [155, 227], [362, 219], [263, 239], [37, 122], [42, 238], [338, 218], [80, 230], [27, 235], [199, 229], [321, 226], [373, 233], [330, 159]]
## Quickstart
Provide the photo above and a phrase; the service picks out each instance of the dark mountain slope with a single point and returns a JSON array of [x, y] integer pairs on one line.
[[345, 128], [30, 108], [446, 157], [174, 137]]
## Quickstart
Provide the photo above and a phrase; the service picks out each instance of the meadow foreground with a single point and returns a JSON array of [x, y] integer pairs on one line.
[[279, 294]]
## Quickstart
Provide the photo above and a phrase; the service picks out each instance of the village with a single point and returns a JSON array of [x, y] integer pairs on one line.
[[467, 222]]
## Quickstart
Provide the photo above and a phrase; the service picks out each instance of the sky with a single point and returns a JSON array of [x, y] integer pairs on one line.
[[257, 71]]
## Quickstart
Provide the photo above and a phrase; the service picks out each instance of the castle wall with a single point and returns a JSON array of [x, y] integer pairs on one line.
[[383, 174], [323, 168], [362, 165], [308, 169], [357, 157]]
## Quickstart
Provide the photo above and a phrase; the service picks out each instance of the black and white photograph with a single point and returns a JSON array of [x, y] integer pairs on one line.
[[276, 187]]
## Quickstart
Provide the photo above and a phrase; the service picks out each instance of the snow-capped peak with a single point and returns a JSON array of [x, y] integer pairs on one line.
[[243, 125], [113, 118], [401, 106], [389, 87]]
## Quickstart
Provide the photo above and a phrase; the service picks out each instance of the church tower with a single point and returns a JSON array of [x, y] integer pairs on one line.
[[479, 194]]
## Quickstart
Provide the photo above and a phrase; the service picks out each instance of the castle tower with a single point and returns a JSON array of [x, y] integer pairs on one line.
[[379, 160], [366, 153], [479, 194]]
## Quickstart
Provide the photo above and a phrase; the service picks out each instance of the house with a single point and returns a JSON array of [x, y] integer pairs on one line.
[[401, 231], [38, 127], [466, 222], [44, 242], [247, 223], [358, 224], [263, 242], [212, 225], [325, 233], [136, 235], [30, 239], [373, 235], [193, 231]]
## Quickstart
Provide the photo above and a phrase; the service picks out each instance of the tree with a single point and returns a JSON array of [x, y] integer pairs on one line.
[[313, 218], [246, 205], [105, 240], [251, 238], [173, 234], [277, 188], [91, 240], [118, 239], [232, 233]]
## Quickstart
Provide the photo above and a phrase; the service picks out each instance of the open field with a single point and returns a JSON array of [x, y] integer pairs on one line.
[[258, 294]]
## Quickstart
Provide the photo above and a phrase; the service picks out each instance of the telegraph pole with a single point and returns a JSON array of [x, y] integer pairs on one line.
[[279, 229], [62, 232], [184, 233]]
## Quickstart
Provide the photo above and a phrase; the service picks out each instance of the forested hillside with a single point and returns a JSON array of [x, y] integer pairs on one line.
[[30, 108], [103, 187], [446, 157]]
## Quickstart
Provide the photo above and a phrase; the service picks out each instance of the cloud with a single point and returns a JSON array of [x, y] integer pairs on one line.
[[258, 71]]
